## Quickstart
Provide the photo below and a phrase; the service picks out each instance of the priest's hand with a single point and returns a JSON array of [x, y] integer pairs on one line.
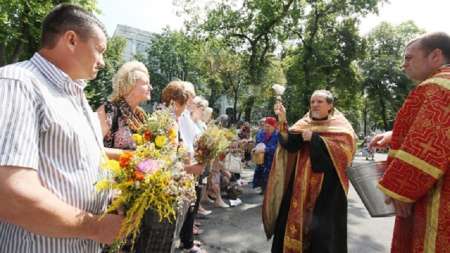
[[381, 140], [307, 135], [280, 111], [402, 209]]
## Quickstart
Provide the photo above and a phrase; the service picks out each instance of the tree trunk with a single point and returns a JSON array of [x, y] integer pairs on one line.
[[16, 53], [2, 54], [365, 117], [383, 113], [214, 93], [236, 95], [248, 108], [307, 85]]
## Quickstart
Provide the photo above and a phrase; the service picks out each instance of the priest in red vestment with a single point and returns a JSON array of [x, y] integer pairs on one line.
[[305, 204], [417, 179]]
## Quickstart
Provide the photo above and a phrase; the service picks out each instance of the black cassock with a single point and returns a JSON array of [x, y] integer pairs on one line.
[[329, 223]]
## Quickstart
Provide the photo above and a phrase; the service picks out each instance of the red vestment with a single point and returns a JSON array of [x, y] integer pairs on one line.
[[340, 140], [418, 164]]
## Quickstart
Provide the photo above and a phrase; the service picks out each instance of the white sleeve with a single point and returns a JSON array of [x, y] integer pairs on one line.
[[19, 124]]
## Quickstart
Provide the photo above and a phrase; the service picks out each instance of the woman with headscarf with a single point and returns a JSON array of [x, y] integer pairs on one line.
[[268, 137]]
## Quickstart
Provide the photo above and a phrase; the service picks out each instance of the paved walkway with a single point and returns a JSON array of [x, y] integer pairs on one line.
[[239, 229]]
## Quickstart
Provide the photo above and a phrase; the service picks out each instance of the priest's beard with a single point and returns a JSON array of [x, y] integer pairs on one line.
[[315, 115]]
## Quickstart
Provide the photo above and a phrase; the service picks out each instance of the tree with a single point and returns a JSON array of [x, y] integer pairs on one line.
[[322, 54], [385, 85], [253, 29], [98, 90], [322, 38], [20, 26], [222, 71], [169, 57]]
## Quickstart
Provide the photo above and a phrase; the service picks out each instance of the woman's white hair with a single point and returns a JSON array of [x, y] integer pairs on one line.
[[125, 79], [189, 87], [207, 114], [200, 101]]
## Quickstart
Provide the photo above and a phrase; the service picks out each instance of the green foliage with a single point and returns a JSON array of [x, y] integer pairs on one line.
[[222, 71], [170, 57], [254, 30], [324, 58], [323, 45], [98, 90], [20, 26], [385, 85], [321, 48]]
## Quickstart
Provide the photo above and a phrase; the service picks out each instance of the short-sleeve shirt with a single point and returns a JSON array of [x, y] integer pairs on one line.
[[47, 125], [188, 131]]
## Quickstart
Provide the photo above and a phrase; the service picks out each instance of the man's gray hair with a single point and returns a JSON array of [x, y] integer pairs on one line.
[[326, 94], [328, 97]]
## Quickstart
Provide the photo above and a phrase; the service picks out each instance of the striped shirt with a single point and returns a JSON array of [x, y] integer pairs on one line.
[[46, 124]]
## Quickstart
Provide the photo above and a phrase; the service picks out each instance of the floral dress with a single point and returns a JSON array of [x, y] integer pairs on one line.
[[123, 123]]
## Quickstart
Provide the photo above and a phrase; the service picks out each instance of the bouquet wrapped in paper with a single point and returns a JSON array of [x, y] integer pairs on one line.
[[152, 177], [212, 143]]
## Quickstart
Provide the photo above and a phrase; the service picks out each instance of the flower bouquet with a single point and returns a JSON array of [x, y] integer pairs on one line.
[[150, 180], [212, 144]]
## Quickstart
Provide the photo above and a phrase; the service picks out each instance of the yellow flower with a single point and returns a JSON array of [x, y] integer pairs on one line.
[[138, 139], [114, 166], [103, 185], [160, 140], [172, 134]]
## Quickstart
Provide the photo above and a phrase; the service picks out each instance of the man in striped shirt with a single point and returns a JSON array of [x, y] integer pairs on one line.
[[51, 144]]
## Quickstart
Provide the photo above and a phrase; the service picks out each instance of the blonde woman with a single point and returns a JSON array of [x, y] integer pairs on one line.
[[121, 116]]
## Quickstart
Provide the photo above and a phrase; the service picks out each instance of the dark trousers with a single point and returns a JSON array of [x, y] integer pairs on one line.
[[186, 233]]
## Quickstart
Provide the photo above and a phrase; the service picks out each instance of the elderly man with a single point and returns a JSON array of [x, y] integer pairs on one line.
[[417, 179], [305, 205], [51, 144]]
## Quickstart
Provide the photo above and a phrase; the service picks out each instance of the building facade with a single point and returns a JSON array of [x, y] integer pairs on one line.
[[138, 41]]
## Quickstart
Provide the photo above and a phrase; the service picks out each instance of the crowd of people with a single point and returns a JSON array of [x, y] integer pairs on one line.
[[51, 145]]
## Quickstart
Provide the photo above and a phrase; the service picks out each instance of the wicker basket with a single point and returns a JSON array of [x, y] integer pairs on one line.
[[159, 236], [258, 158]]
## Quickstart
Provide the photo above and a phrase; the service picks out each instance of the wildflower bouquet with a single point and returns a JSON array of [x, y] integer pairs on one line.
[[152, 177], [212, 143]]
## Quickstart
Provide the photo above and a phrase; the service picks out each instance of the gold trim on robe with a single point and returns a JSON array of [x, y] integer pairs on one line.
[[417, 163]]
